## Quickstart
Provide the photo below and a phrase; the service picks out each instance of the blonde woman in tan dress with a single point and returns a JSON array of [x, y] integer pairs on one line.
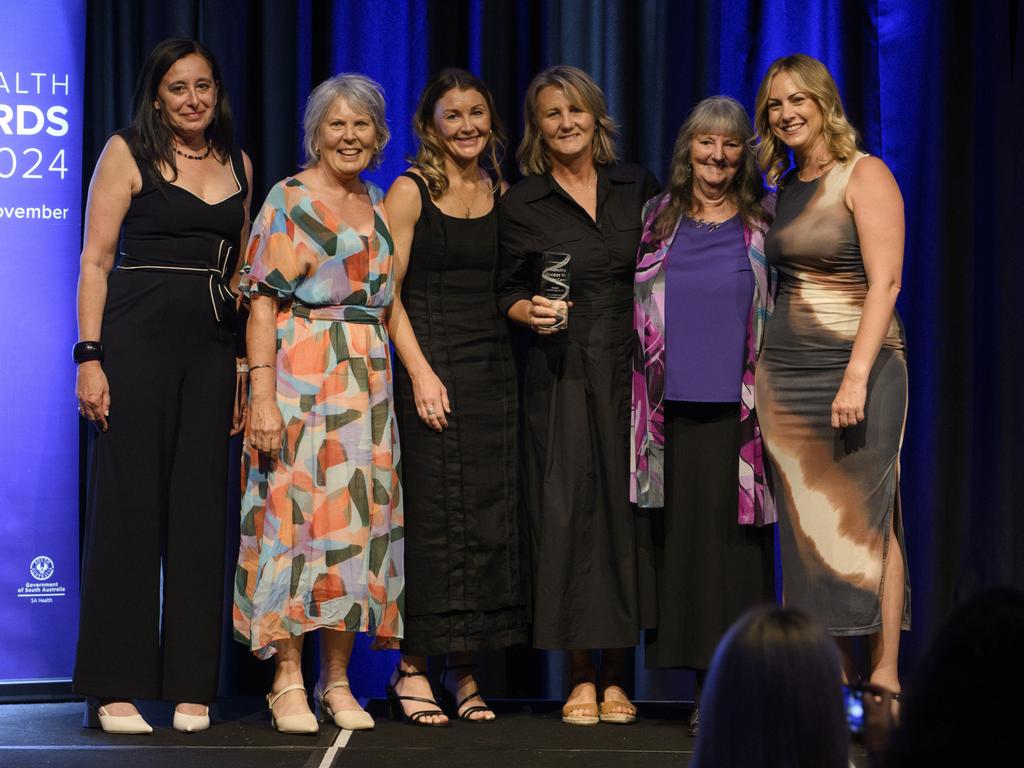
[[831, 386]]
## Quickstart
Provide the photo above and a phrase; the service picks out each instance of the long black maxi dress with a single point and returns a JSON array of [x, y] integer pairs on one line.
[[153, 559], [576, 403], [464, 551]]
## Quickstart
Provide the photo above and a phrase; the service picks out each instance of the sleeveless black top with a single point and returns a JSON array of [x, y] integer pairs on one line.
[[463, 549], [169, 229]]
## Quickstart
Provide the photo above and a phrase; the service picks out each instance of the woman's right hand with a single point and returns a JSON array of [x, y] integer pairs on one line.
[[93, 393], [431, 399], [265, 425], [542, 313]]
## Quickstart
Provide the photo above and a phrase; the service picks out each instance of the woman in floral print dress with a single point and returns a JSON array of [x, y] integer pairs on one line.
[[322, 521]]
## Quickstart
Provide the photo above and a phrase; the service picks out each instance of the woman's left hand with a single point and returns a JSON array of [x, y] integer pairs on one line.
[[240, 412], [848, 406]]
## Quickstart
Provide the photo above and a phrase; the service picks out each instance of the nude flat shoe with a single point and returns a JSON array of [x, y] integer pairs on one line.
[[609, 715], [589, 714]]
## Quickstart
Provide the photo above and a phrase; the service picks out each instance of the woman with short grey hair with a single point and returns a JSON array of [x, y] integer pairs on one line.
[[363, 94], [321, 545]]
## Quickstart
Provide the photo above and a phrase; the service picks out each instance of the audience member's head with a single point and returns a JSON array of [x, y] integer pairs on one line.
[[966, 705], [773, 696]]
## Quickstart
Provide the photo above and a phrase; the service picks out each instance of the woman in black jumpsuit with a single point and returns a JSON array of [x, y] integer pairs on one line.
[[157, 376]]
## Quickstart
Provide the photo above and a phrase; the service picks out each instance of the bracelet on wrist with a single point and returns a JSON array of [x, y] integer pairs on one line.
[[86, 351], [260, 365]]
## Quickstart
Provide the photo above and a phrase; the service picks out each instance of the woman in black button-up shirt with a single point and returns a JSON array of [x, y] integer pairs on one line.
[[576, 400]]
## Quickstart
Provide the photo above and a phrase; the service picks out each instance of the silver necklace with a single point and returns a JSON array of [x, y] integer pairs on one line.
[[710, 225]]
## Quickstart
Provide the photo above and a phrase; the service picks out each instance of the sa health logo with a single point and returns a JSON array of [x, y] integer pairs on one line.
[[41, 568]]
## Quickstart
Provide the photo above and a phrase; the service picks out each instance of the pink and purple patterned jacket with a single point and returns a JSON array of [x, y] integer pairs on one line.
[[647, 424]]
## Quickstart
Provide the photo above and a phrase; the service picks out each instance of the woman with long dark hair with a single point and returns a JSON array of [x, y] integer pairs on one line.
[[455, 396], [157, 375]]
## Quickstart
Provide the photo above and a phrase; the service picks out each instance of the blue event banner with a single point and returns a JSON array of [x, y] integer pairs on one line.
[[42, 55]]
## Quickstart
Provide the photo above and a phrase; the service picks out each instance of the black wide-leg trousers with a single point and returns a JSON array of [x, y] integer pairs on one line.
[[153, 557]]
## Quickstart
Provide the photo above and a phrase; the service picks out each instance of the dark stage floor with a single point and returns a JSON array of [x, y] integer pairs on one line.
[[526, 734]]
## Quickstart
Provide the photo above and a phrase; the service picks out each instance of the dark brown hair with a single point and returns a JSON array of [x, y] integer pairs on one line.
[[150, 139], [773, 696]]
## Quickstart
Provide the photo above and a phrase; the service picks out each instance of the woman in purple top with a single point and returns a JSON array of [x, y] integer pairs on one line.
[[702, 293]]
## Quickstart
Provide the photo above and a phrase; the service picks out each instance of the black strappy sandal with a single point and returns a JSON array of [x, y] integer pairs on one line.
[[398, 711], [465, 714]]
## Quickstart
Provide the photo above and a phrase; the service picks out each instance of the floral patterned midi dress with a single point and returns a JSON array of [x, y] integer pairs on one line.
[[322, 523]]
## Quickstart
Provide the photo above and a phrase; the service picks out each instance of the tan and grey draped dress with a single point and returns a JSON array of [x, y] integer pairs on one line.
[[837, 490]]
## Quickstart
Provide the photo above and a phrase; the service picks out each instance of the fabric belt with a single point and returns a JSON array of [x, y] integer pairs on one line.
[[348, 313], [218, 281]]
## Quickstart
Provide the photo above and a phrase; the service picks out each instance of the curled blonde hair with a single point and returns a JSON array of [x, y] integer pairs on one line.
[[814, 79], [430, 154], [582, 91]]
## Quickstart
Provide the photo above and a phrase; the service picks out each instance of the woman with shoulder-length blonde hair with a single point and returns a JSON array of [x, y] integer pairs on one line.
[[455, 399], [831, 383], [577, 202], [702, 293]]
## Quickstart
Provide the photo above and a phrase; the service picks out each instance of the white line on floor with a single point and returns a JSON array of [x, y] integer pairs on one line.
[[339, 743]]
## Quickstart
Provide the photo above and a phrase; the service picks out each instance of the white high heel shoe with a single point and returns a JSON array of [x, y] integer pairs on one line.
[[191, 723], [96, 716], [348, 719], [304, 723]]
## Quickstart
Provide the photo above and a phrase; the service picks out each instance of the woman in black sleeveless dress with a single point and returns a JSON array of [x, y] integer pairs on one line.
[[455, 399], [157, 375]]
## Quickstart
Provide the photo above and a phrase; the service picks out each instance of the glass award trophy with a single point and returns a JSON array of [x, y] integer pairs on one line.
[[554, 285]]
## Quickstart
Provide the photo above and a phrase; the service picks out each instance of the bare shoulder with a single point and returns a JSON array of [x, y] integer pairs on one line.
[[872, 182], [116, 153], [247, 164], [403, 198], [403, 190], [116, 165], [871, 170]]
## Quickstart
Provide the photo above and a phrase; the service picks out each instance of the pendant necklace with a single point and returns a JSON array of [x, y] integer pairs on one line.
[[469, 208]]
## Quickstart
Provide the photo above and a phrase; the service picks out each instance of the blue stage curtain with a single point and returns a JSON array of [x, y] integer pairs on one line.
[[935, 87]]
